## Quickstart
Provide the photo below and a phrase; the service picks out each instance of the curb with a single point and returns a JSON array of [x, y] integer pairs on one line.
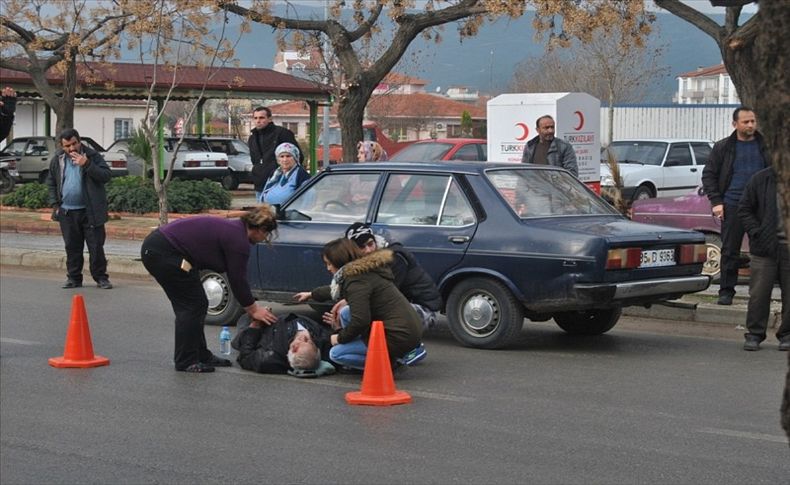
[[116, 264]]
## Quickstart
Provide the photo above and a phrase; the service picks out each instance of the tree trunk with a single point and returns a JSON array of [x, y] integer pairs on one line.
[[742, 65], [772, 102], [351, 115], [610, 124]]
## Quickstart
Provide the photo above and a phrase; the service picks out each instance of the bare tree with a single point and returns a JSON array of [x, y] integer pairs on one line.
[[60, 36], [174, 34], [580, 19], [605, 67]]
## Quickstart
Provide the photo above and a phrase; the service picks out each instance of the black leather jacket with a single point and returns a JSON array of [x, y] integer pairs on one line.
[[759, 213], [265, 349], [717, 174], [94, 175]]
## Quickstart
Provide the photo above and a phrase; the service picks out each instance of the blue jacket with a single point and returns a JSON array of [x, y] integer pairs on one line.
[[281, 186]]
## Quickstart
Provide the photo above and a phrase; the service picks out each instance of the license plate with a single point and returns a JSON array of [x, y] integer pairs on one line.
[[208, 164], [657, 257]]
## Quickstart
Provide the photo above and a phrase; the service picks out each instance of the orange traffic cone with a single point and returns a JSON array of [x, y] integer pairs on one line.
[[378, 385], [79, 349]]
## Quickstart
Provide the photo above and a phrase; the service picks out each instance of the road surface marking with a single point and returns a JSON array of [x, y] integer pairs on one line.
[[20, 342], [349, 386], [745, 434]]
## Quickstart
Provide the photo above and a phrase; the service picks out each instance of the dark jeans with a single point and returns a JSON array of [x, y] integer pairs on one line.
[[764, 272], [186, 295], [77, 232], [731, 240]]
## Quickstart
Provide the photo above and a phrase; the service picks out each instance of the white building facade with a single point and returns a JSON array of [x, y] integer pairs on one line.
[[706, 85]]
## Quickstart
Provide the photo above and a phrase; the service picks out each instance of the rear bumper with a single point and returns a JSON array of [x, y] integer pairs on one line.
[[642, 292], [200, 173]]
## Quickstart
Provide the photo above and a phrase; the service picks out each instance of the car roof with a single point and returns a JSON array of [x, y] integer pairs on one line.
[[663, 140], [456, 166], [452, 140]]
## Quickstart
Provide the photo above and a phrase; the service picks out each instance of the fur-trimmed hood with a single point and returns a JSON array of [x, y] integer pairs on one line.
[[370, 262]]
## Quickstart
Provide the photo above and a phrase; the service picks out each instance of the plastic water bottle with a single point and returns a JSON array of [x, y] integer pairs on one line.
[[224, 341]]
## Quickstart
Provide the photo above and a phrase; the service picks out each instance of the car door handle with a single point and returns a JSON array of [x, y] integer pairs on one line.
[[458, 239], [693, 169]]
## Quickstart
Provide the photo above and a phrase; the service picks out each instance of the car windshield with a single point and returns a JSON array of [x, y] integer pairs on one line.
[[241, 147], [92, 143], [543, 193], [646, 152], [418, 152], [16, 147]]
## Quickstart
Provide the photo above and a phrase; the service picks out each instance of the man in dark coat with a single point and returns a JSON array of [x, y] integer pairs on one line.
[[264, 139], [770, 260], [76, 179], [293, 342], [7, 108], [731, 164], [546, 149]]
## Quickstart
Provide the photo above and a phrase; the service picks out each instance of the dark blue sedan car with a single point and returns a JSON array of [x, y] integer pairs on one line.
[[502, 241]]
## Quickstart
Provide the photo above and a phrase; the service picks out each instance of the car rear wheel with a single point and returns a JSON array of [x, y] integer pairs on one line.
[[483, 313], [6, 183], [230, 181], [712, 266], [643, 192], [223, 308], [588, 322]]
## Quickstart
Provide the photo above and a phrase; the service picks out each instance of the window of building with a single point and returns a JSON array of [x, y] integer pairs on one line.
[[123, 128]]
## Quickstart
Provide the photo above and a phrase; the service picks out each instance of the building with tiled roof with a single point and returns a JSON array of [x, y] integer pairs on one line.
[[402, 116], [706, 85]]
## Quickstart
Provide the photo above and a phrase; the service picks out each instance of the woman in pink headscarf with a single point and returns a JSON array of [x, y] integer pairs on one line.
[[370, 151]]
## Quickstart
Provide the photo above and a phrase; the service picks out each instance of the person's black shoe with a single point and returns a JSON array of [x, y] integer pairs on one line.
[[725, 299], [72, 284], [751, 344], [784, 344], [215, 361], [197, 368], [104, 284]]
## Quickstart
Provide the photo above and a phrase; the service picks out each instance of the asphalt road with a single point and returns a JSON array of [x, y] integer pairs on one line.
[[646, 403]]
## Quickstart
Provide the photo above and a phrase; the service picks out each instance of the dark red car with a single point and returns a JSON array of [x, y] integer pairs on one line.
[[471, 149], [689, 211]]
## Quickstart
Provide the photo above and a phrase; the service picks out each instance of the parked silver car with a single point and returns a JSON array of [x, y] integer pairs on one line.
[[33, 153], [194, 160]]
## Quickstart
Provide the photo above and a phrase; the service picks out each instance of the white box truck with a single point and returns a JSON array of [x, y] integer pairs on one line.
[[511, 124]]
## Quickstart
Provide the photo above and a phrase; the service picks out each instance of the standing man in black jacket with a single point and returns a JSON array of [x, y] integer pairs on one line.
[[770, 259], [265, 137], [76, 179], [732, 163], [7, 108]]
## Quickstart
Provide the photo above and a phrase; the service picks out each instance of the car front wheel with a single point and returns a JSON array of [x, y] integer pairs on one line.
[[223, 308], [643, 193], [483, 313], [588, 322]]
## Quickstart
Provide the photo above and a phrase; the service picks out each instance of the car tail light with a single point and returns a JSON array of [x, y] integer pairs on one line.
[[11, 164], [191, 163], [623, 258], [693, 253], [222, 163], [118, 164]]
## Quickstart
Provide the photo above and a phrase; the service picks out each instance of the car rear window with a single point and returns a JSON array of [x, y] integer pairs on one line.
[[419, 152], [544, 193], [648, 153]]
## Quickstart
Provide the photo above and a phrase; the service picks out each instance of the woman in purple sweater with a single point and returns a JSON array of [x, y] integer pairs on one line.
[[175, 253]]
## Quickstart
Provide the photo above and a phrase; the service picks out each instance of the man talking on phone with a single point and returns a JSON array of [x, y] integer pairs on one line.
[[77, 175]]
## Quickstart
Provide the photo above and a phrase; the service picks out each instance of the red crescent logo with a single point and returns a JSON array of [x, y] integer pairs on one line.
[[581, 120], [525, 131]]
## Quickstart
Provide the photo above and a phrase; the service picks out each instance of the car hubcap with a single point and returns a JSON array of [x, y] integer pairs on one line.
[[712, 265], [215, 293], [480, 315]]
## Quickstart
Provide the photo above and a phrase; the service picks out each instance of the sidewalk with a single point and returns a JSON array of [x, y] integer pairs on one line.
[[28, 250]]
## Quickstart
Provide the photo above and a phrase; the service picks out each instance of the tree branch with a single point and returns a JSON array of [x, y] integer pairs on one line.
[[23, 33], [692, 16], [365, 26]]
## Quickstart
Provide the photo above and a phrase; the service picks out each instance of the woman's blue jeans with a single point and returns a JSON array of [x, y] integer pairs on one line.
[[351, 354]]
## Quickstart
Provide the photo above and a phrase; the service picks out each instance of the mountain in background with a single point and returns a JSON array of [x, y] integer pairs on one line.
[[486, 62]]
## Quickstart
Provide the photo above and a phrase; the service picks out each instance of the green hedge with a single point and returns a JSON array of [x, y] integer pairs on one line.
[[135, 194]]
